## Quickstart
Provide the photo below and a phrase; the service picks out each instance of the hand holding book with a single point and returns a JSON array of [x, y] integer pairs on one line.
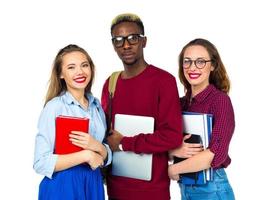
[[83, 140], [86, 141], [191, 145]]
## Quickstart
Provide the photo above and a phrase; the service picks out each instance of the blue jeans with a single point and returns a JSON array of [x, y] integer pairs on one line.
[[218, 189]]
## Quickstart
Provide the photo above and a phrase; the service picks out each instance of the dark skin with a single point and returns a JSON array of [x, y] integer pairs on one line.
[[132, 57]]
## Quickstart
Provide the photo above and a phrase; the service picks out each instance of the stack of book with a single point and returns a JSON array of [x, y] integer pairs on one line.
[[199, 125]]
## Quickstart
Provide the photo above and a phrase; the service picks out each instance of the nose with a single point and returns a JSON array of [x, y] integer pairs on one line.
[[126, 44], [79, 70]]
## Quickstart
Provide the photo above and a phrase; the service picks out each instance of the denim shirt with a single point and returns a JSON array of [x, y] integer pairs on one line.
[[65, 104]]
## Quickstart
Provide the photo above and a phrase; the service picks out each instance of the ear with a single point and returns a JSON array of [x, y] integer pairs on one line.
[[61, 76], [144, 42], [212, 68]]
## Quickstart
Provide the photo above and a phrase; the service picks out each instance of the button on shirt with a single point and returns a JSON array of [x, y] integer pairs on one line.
[[44, 158], [215, 102]]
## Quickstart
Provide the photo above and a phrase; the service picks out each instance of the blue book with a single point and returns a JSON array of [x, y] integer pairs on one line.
[[198, 124]]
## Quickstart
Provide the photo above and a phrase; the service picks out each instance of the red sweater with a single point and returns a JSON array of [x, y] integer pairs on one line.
[[151, 93]]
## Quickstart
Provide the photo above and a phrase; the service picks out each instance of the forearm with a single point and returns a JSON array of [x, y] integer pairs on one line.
[[101, 149], [196, 163], [71, 160], [158, 142]]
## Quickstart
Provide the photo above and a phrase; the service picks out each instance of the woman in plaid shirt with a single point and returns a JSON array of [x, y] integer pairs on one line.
[[206, 83]]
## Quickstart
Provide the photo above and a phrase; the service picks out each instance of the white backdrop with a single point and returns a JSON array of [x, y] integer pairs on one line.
[[32, 32]]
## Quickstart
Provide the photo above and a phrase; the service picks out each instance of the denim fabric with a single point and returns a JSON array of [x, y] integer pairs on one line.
[[218, 189]]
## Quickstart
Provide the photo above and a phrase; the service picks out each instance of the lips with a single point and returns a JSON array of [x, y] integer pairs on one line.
[[128, 55], [81, 79], [194, 75]]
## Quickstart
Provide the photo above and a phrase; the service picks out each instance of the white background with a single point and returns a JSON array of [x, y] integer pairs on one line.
[[31, 33]]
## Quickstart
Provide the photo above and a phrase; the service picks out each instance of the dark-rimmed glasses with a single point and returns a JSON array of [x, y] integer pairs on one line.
[[199, 63], [132, 39]]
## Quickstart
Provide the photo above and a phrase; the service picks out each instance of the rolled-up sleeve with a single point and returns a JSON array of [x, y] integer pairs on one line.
[[44, 159], [223, 129], [109, 155]]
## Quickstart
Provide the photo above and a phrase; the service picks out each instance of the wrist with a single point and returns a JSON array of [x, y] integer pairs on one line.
[[103, 152]]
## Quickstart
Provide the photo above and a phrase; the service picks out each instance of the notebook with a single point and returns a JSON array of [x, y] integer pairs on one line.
[[198, 124], [64, 125], [129, 164]]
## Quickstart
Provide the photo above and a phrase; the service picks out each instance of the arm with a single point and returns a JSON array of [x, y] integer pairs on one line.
[[200, 161], [45, 161], [186, 150], [217, 153], [168, 122], [85, 156], [222, 132], [44, 158], [86, 141]]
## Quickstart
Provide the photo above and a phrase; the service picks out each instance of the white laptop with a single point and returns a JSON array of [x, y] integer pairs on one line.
[[129, 164]]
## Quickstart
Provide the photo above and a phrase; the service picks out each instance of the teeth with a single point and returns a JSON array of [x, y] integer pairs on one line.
[[194, 75], [80, 79]]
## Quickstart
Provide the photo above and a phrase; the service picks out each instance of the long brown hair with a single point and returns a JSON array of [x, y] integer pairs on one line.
[[58, 85], [218, 77]]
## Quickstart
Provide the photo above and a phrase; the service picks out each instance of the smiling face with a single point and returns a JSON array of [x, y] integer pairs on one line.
[[130, 54], [197, 78], [76, 71]]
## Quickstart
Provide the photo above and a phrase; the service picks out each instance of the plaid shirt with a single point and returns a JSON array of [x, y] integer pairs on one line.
[[215, 102]]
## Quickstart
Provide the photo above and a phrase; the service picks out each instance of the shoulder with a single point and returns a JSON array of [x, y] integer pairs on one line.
[[161, 72], [54, 103], [161, 76], [221, 99], [94, 101]]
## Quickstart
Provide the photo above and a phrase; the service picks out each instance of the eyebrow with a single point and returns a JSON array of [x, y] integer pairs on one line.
[[196, 58], [85, 62], [72, 64]]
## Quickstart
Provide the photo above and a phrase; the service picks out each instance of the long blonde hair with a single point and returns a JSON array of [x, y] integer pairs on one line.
[[58, 85], [218, 77]]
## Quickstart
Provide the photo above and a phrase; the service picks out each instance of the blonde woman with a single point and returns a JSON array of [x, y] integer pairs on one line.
[[75, 175]]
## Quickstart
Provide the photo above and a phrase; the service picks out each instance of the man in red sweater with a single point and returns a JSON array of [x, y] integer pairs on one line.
[[142, 89]]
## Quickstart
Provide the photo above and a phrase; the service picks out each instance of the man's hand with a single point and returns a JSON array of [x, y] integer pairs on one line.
[[114, 140]]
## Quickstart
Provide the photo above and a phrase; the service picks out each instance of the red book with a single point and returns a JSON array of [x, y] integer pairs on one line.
[[64, 125]]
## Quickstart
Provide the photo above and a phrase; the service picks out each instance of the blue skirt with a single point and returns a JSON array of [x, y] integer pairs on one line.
[[76, 183]]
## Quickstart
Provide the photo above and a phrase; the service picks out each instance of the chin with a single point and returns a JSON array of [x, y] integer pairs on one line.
[[129, 63]]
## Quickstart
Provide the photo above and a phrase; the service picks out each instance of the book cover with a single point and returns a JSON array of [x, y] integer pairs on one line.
[[198, 124], [64, 125]]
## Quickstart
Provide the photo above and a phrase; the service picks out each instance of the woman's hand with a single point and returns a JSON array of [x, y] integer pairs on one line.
[[172, 174], [186, 150], [95, 160], [84, 140]]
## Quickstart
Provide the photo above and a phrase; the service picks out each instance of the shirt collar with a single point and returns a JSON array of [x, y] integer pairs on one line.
[[69, 99], [202, 95]]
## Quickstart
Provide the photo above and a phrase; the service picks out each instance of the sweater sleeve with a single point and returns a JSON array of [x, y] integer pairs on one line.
[[168, 123]]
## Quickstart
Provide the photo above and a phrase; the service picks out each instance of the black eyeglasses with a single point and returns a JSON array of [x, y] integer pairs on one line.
[[132, 40], [199, 63]]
